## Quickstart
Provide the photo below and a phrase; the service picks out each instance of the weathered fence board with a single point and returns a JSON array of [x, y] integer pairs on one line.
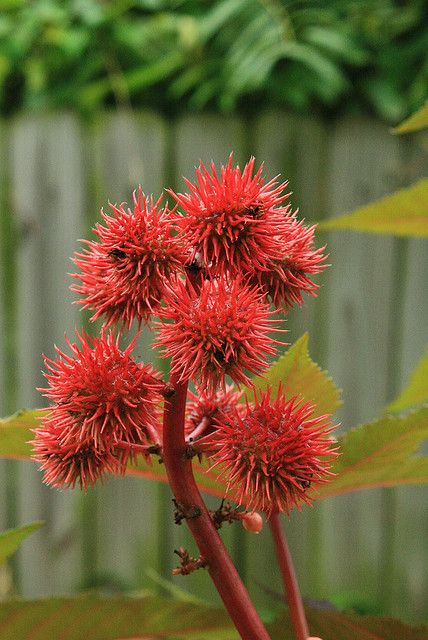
[[131, 150], [48, 191], [359, 292]]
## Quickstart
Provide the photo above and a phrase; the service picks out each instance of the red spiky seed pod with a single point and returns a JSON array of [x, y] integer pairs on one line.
[[273, 454], [123, 274], [221, 329], [101, 394], [286, 279], [203, 406], [232, 220], [76, 463]]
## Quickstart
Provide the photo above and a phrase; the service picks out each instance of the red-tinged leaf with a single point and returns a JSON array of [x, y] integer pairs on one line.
[[112, 618], [207, 480], [335, 625], [404, 213], [380, 454], [416, 392], [147, 618], [298, 374], [417, 121]]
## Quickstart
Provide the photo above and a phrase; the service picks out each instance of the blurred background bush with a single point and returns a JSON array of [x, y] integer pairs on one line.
[[226, 55], [97, 97]]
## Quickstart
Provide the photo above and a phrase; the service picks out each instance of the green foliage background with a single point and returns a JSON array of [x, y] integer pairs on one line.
[[369, 55]]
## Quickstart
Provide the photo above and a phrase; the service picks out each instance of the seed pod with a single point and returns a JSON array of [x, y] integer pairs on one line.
[[252, 522]]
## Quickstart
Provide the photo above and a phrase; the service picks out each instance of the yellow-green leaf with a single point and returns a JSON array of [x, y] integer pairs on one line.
[[300, 375], [404, 213], [415, 122], [416, 392], [12, 538], [381, 454], [15, 433]]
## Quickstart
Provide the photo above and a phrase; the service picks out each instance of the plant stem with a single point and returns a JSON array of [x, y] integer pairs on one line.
[[212, 549], [291, 588]]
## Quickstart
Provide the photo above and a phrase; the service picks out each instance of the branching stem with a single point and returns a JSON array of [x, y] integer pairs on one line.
[[211, 548]]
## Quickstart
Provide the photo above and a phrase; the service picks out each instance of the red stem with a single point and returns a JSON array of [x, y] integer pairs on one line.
[[212, 549], [291, 588]]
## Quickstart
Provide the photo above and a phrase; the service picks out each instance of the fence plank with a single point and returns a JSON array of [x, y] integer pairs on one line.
[[411, 576], [3, 315], [47, 193], [129, 150], [365, 160], [296, 148]]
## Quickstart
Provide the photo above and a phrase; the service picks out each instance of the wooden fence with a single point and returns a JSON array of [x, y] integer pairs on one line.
[[368, 326]]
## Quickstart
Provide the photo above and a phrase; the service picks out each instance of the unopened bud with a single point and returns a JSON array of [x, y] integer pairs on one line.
[[252, 522]]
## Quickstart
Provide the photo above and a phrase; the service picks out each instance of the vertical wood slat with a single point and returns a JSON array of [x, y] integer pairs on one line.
[[47, 194], [296, 148], [364, 157], [129, 150], [8, 468], [3, 383], [412, 505]]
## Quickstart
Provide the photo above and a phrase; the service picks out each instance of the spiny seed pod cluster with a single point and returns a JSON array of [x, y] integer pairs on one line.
[[214, 271]]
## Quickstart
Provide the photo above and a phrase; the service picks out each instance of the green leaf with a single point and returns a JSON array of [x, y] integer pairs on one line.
[[299, 375], [12, 538], [15, 433], [418, 120], [416, 391], [404, 213], [380, 454], [145, 618], [335, 625]]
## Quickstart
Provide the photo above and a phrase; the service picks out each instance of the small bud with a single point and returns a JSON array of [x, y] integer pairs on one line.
[[252, 522]]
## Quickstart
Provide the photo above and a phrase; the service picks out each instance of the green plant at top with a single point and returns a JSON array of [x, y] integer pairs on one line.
[[225, 55]]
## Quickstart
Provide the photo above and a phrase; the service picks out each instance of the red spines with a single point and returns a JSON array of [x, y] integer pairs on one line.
[[221, 329], [123, 274], [273, 453], [102, 398]]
